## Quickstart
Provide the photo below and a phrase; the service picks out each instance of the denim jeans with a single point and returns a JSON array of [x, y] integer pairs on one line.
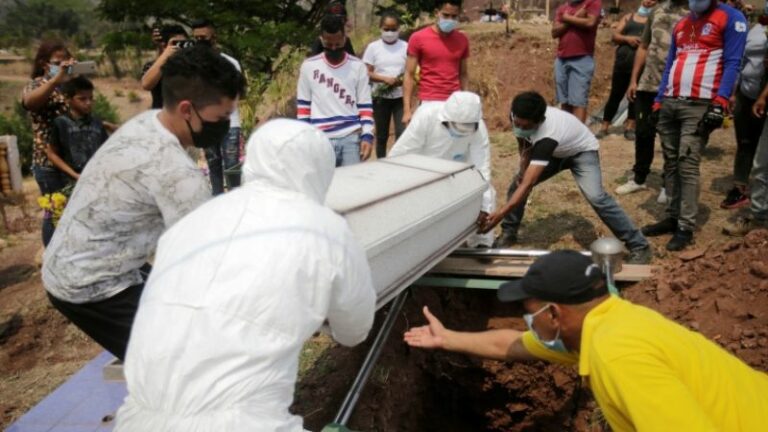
[[573, 78], [223, 157], [678, 121], [49, 180], [385, 110], [585, 168], [759, 186], [347, 149]]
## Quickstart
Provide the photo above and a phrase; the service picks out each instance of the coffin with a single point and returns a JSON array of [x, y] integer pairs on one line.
[[409, 212]]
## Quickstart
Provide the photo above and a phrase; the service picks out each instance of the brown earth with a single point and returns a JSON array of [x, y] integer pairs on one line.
[[722, 292]]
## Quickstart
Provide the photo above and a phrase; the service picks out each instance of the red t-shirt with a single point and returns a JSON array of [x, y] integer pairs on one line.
[[576, 42], [439, 56]]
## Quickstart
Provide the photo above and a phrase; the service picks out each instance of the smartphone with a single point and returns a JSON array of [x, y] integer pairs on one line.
[[82, 68]]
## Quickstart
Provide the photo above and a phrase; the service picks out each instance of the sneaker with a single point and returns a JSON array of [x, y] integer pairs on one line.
[[662, 199], [668, 225], [680, 239], [629, 187], [505, 240], [629, 134], [742, 226], [601, 134], [735, 199], [640, 256]]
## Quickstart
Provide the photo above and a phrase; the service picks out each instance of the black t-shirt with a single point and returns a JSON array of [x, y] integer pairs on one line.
[[317, 47], [541, 153], [157, 90]]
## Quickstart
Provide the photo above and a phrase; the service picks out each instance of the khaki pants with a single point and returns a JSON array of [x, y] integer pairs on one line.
[[682, 148]]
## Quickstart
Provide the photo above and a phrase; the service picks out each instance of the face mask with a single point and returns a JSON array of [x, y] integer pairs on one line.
[[334, 55], [523, 133], [555, 344], [460, 130], [446, 25], [211, 134], [390, 36], [699, 6], [53, 70], [643, 11]]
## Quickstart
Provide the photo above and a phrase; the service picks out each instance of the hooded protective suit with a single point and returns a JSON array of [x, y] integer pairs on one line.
[[427, 135], [237, 287]]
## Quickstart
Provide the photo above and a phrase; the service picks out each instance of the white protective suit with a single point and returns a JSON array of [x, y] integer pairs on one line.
[[426, 135], [237, 287]]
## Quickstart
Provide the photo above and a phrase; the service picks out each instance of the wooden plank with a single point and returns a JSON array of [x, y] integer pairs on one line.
[[515, 268]]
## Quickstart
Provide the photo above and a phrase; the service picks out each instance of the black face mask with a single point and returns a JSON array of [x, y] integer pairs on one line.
[[334, 54], [211, 134]]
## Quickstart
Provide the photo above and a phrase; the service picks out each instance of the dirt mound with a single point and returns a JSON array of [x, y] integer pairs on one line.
[[720, 291]]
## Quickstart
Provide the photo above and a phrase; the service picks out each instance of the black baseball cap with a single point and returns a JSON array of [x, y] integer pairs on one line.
[[564, 277]]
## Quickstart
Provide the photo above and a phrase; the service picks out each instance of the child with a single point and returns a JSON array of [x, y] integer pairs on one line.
[[76, 135]]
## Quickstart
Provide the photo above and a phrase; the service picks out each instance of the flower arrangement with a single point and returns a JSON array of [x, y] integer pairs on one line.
[[54, 203]]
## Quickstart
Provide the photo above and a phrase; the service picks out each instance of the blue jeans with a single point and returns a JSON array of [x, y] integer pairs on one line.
[[49, 180], [573, 77], [585, 168], [347, 149], [224, 157]]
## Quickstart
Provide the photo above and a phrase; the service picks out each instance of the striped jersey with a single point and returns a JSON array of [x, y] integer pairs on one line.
[[335, 98], [705, 55]]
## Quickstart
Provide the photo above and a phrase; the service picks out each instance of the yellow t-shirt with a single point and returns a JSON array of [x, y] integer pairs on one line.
[[649, 373]]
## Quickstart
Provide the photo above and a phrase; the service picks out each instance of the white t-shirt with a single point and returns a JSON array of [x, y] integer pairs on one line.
[[568, 132], [234, 118], [387, 60]]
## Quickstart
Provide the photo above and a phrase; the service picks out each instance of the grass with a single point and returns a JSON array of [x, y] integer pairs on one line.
[[312, 357]]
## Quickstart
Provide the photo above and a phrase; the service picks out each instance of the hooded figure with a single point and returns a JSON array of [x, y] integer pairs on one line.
[[453, 130], [238, 286]]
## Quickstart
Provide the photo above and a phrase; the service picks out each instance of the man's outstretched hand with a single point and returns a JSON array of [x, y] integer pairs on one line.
[[431, 336], [491, 221]]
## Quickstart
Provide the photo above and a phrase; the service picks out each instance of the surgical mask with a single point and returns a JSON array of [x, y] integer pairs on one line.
[[53, 70], [447, 25], [523, 133], [643, 11], [555, 344], [335, 54], [699, 6], [460, 130], [390, 36], [211, 134]]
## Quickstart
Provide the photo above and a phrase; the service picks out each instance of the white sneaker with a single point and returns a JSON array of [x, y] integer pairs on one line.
[[629, 187], [662, 199]]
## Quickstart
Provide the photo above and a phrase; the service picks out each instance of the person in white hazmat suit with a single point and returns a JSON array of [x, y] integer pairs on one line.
[[238, 286], [454, 130]]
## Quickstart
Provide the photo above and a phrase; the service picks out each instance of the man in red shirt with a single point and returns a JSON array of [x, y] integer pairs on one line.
[[441, 51], [576, 27]]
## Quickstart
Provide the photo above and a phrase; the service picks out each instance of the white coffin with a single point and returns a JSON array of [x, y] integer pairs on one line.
[[409, 212]]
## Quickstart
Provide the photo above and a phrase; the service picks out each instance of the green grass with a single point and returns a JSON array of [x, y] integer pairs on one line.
[[312, 357]]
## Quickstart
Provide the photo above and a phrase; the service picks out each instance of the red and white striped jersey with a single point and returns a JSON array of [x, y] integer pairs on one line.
[[705, 55]]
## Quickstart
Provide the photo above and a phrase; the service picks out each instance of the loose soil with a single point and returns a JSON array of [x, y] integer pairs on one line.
[[719, 287]]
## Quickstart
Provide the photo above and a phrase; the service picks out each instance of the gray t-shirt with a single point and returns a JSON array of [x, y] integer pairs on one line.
[[138, 184], [753, 69]]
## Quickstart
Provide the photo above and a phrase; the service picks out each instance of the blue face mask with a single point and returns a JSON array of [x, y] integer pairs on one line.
[[446, 25], [523, 133], [643, 11], [53, 70], [699, 6], [555, 344]]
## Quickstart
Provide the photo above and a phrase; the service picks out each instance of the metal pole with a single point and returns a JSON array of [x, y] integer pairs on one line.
[[513, 253], [348, 406]]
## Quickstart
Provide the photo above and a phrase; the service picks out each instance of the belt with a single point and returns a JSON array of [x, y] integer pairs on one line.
[[690, 99]]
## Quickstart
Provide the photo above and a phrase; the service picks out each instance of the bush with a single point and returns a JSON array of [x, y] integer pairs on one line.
[[104, 110], [18, 123]]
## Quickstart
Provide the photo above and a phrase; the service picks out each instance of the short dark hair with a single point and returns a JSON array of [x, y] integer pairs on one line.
[[336, 8], [169, 31], [390, 14], [76, 84], [201, 23], [332, 24], [440, 3], [201, 75], [529, 106]]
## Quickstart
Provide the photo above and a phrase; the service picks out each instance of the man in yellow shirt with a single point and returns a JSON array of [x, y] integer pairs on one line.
[[647, 373]]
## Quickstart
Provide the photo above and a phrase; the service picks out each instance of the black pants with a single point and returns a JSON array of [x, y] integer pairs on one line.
[[108, 322], [748, 129], [619, 85], [385, 110], [645, 135]]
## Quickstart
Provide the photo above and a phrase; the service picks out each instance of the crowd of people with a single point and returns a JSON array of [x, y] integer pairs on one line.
[[208, 301]]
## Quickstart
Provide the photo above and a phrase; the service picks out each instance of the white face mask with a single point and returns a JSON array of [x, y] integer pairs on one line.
[[390, 36]]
